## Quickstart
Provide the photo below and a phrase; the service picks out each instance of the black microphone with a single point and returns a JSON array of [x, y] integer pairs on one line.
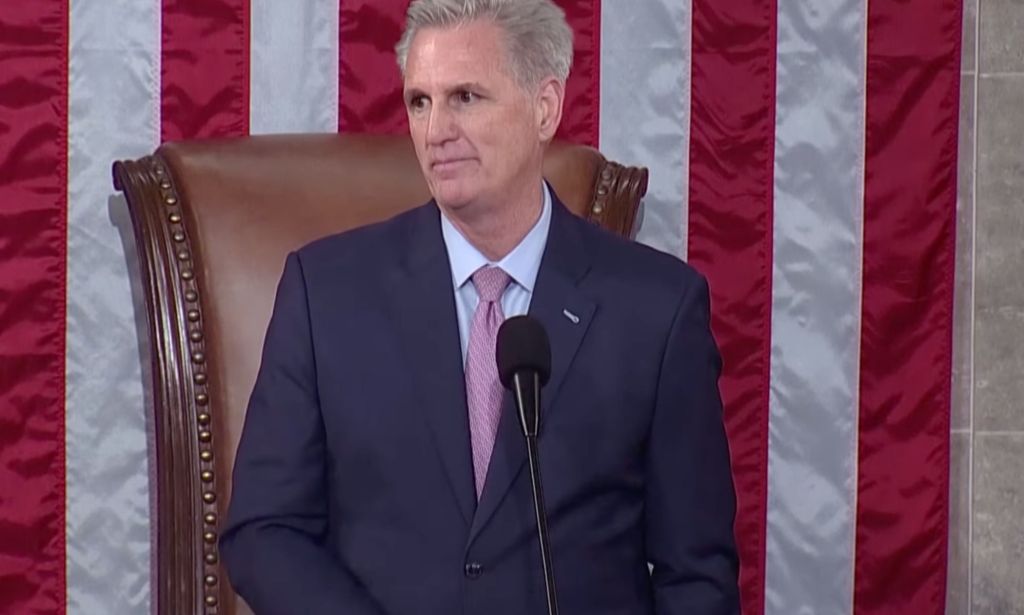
[[524, 366]]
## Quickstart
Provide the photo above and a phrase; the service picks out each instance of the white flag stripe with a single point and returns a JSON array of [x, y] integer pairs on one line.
[[293, 66], [645, 107], [816, 278], [114, 86]]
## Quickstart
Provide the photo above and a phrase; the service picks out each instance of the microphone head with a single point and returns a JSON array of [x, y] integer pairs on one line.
[[522, 345]]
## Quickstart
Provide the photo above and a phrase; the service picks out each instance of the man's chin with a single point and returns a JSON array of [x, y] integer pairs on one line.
[[455, 210], [452, 198]]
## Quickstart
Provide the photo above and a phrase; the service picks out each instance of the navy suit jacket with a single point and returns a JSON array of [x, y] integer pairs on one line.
[[353, 486]]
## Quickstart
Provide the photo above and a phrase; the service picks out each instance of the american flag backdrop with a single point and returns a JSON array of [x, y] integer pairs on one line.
[[802, 155]]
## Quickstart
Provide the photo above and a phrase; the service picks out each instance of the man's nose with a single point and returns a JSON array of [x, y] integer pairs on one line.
[[441, 125]]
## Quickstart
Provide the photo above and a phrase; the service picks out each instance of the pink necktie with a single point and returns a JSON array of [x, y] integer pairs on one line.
[[483, 389]]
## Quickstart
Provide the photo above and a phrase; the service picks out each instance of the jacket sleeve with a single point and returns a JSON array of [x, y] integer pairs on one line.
[[273, 543], [690, 499]]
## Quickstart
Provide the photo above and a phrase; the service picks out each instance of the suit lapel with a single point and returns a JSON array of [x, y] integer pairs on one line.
[[566, 314], [425, 303]]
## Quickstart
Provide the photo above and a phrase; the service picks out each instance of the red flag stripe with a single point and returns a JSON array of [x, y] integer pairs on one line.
[[204, 69], [581, 118], [370, 88], [33, 231], [913, 60], [732, 144]]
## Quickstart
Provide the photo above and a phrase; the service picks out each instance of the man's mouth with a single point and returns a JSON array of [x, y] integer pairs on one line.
[[449, 168], [448, 163]]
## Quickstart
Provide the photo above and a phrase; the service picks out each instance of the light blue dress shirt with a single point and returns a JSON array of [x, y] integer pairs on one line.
[[521, 264]]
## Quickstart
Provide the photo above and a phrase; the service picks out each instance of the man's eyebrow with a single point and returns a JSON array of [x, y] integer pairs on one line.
[[473, 86], [468, 85], [412, 93]]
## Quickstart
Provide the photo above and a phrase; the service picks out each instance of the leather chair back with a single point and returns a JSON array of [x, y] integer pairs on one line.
[[213, 221]]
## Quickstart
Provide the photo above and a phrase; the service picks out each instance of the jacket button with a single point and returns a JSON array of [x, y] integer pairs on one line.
[[474, 570]]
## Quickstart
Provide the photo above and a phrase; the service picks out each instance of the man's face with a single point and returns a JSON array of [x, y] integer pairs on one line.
[[478, 133]]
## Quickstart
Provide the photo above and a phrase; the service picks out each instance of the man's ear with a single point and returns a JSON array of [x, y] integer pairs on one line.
[[550, 97]]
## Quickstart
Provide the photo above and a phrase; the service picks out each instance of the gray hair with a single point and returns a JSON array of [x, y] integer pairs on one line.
[[538, 39]]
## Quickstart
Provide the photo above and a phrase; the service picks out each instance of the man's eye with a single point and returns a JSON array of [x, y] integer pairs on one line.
[[418, 103], [466, 97]]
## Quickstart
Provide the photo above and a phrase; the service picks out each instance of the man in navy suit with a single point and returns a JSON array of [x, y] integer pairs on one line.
[[377, 472]]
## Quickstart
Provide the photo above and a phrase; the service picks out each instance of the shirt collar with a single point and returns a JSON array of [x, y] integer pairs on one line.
[[521, 264]]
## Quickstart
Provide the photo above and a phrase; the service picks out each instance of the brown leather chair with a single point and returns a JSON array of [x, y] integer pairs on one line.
[[213, 222]]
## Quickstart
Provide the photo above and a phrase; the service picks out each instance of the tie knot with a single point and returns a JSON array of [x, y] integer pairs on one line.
[[490, 282]]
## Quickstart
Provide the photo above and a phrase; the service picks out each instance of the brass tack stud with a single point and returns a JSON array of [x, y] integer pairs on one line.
[[198, 357], [187, 274], [202, 399], [205, 436], [200, 378], [598, 209], [206, 456], [204, 419], [606, 174], [211, 600], [165, 184], [210, 518], [196, 336], [178, 236], [211, 558], [209, 497], [193, 315], [171, 200], [210, 580], [206, 476], [191, 296], [210, 537], [174, 218], [602, 190], [183, 255]]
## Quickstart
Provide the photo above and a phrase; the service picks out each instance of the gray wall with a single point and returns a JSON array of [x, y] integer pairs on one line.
[[986, 573]]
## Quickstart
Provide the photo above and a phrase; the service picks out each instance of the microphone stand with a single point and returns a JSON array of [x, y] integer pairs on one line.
[[529, 419]]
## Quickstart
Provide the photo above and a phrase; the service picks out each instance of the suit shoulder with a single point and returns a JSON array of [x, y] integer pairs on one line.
[[640, 264]]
